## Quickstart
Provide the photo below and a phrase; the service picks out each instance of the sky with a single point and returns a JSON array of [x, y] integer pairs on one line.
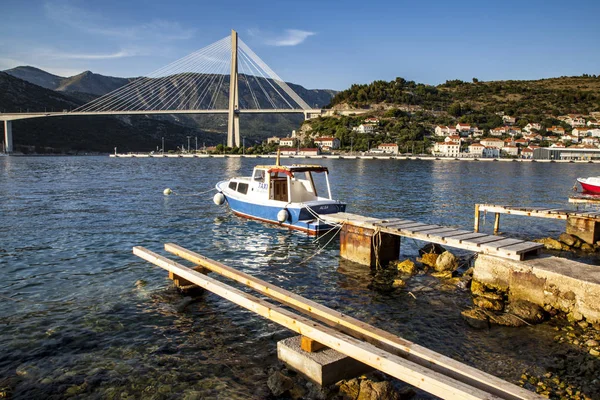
[[317, 44]]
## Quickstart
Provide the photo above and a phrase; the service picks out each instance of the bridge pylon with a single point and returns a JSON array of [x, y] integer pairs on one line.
[[233, 122]]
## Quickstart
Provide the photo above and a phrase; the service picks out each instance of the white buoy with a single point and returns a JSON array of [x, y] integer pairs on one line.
[[219, 198], [282, 215], [167, 192]]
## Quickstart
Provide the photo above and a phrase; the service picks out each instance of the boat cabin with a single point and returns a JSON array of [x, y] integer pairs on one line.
[[289, 184]]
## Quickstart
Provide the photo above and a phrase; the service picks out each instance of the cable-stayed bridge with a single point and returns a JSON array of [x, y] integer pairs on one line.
[[226, 77]]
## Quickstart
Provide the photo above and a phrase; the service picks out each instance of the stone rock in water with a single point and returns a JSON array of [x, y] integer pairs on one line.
[[587, 248], [508, 320], [370, 390], [527, 311], [569, 240], [446, 262], [398, 283], [278, 383], [549, 243], [431, 248], [406, 267], [476, 318], [428, 259], [488, 304]]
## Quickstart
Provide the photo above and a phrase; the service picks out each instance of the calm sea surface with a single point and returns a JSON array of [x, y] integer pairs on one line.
[[76, 321]]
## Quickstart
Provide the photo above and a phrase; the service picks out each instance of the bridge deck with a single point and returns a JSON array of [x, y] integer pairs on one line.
[[514, 249]]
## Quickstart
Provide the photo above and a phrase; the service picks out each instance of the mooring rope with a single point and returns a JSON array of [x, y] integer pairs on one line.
[[323, 247], [168, 192]]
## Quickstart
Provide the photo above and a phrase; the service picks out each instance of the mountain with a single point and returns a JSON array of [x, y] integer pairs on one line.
[[206, 92], [86, 82], [36, 76], [74, 134]]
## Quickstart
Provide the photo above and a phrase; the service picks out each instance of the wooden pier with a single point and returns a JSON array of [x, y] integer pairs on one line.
[[400, 358], [366, 240], [583, 224]]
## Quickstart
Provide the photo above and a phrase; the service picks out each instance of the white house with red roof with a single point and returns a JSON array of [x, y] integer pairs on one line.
[[476, 149], [569, 139], [510, 150], [501, 130], [371, 120], [463, 127], [531, 126], [580, 132], [527, 153], [508, 120], [447, 149], [391, 148], [575, 120], [441, 130], [493, 142], [328, 143]]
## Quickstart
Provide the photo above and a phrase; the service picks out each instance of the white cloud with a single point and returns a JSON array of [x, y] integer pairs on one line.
[[77, 56], [86, 21], [290, 37]]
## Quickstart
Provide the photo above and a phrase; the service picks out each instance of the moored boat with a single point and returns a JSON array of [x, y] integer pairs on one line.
[[283, 195], [591, 184]]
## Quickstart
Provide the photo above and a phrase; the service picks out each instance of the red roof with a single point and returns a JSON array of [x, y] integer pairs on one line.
[[388, 145], [323, 139]]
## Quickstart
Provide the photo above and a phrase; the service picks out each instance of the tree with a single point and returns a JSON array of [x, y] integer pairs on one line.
[[475, 80]]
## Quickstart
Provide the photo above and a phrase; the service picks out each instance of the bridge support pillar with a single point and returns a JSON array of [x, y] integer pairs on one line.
[[8, 138], [233, 122]]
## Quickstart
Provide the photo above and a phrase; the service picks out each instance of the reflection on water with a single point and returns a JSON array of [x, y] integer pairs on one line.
[[81, 315]]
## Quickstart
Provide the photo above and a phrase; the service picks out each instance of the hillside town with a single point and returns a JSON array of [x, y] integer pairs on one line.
[[578, 135]]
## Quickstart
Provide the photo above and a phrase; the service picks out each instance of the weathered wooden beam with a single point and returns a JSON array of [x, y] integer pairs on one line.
[[361, 330], [405, 370], [476, 226], [310, 346]]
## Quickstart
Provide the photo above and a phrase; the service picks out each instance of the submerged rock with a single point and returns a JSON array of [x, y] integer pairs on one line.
[[569, 240], [398, 283], [476, 318], [587, 248], [370, 390], [488, 304], [431, 248], [508, 320], [551, 244], [428, 259], [446, 262], [278, 383], [531, 313], [406, 267]]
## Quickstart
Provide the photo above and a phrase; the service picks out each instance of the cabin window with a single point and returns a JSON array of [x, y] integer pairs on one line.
[[232, 185], [259, 175], [242, 188]]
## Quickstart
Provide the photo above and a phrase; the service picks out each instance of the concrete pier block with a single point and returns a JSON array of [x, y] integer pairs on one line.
[[364, 246], [566, 285], [586, 229], [324, 367]]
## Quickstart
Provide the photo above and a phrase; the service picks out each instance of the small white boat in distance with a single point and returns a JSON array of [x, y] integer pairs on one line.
[[283, 195]]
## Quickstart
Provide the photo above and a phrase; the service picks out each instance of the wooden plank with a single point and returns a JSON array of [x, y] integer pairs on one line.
[[473, 235], [395, 223], [482, 240], [503, 243], [454, 233], [406, 225], [361, 330], [309, 345], [522, 247], [415, 229], [396, 366], [438, 231]]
